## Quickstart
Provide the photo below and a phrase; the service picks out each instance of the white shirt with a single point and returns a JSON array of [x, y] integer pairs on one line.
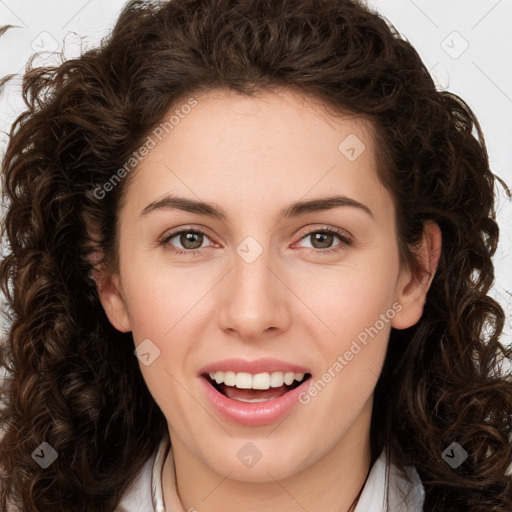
[[145, 494]]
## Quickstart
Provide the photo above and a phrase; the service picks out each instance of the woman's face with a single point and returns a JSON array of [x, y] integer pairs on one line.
[[284, 281]]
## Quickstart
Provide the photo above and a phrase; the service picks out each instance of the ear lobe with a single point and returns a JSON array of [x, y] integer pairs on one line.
[[112, 299], [412, 287]]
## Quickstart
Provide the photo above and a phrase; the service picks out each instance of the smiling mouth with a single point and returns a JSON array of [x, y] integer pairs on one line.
[[246, 387]]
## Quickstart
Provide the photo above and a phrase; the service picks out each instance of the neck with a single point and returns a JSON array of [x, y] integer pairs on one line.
[[332, 483]]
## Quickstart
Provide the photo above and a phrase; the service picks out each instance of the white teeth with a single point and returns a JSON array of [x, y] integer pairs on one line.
[[252, 400], [266, 380], [229, 378], [261, 381], [277, 379], [289, 377], [243, 380]]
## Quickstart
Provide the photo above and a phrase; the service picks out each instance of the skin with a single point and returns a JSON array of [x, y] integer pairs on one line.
[[254, 156]]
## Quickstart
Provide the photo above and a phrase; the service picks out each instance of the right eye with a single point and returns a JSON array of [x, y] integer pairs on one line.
[[191, 241]]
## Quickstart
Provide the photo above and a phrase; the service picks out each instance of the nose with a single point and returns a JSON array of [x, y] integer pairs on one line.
[[255, 301]]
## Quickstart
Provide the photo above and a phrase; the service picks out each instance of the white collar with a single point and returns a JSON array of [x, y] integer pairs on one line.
[[403, 496], [145, 494]]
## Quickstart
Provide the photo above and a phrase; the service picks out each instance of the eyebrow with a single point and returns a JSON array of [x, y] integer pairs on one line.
[[295, 209]]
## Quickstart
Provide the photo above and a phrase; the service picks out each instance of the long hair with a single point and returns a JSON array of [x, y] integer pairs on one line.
[[72, 380]]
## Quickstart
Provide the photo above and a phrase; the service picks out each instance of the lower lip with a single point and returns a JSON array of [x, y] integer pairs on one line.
[[257, 413]]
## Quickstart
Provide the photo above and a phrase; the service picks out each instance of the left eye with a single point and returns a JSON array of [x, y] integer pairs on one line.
[[324, 238]]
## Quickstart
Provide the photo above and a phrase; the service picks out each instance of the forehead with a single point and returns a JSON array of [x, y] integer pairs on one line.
[[270, 117], [230, 146]]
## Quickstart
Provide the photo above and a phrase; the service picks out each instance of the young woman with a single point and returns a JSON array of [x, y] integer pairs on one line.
[[248, 255]]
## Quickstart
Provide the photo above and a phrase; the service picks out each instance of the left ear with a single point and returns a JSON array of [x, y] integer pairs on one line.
[[412, 287]]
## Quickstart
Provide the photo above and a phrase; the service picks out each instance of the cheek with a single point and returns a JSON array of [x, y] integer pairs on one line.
[[357, 311], [356, 306], [159, 299], [160, 308], [164, 306], [348, 300]]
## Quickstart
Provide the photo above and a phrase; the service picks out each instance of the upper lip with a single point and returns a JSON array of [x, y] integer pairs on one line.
[[254, 367]]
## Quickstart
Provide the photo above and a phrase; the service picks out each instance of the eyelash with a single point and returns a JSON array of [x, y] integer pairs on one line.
[[345, 241]]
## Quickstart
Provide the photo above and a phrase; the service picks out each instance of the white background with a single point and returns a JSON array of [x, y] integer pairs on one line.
[[466, 44]]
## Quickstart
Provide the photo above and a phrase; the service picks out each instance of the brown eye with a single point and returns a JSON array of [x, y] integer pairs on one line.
[[323, 239], [191, 240], [185, 241]]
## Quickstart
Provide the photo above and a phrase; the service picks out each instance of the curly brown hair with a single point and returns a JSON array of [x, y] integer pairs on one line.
[[72, 379]]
